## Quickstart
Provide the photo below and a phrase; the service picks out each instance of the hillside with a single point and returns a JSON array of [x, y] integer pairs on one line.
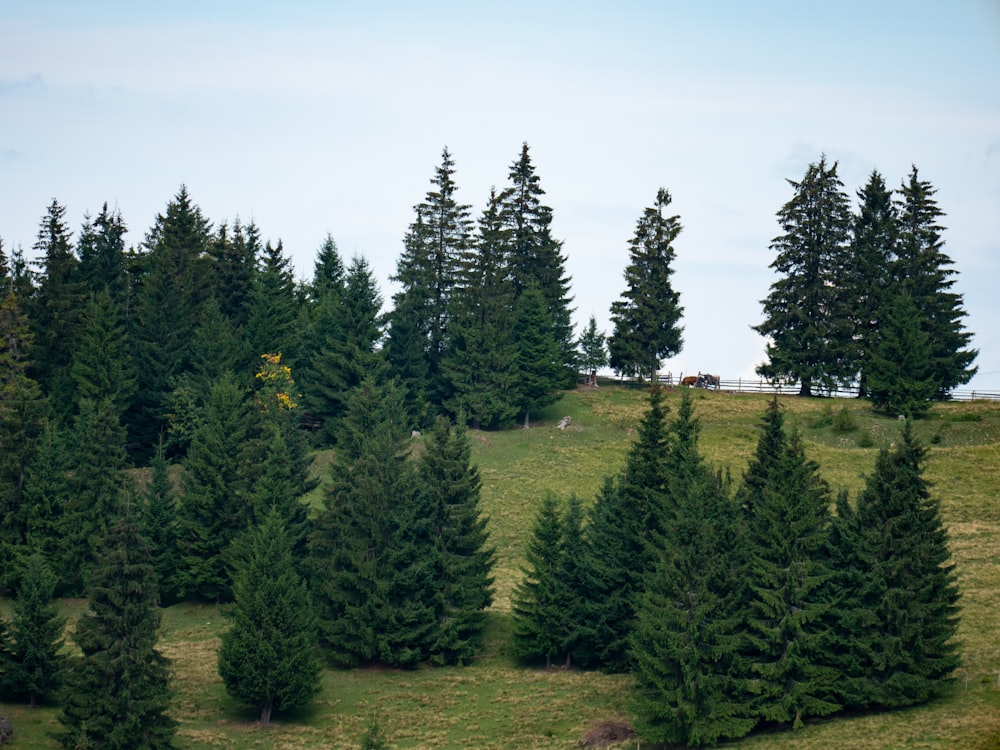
[[495, 704]]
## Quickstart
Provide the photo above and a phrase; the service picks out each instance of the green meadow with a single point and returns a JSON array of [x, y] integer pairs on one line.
[[495, 703]]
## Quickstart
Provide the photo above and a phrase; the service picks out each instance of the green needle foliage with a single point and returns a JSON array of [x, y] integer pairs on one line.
[[268, 657]]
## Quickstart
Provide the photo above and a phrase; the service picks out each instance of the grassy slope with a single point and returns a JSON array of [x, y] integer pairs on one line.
[[495, 704]]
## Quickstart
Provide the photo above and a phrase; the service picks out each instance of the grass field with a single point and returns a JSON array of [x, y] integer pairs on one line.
[[496, 704]]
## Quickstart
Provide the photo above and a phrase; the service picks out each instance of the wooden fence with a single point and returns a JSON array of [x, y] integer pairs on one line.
[[756, 385]]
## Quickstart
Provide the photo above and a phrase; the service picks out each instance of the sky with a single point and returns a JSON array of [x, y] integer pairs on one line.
[[317, 118]]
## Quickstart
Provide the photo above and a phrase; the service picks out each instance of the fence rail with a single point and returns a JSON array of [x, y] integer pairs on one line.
[[755, 385]]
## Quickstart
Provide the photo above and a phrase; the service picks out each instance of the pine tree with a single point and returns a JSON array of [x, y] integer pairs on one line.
[[159, 527], [786, 504], [925, 271], [874, 231], [234, 253], [901, 373], [117, 692], [348, 350], [373, 585], [273, 315], [47, 496], [806, 321], [35, 663], [482, 360], [22, 411], [536, 258], [54, 310], [539, 372], [465, 563], [537, 600], [593, 350], [211, 512], [626, 525], [173, 278], [687, 640], [434, 244], [98, 459], [898, 614], [101, 249], [647, 317], [102, 363], [268, 656]]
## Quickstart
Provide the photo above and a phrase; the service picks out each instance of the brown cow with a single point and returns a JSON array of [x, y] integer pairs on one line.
[[689, 380]]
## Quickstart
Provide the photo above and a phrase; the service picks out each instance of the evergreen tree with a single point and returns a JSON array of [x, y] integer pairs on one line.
[[901, 373], [874, 231], [22, 411], [925, 271], [687, 640], [158, 525], [786, 505], [433, 247], [328, 271], [102, 364], [267, 658], [806, 319], [372, 582], [536, 258], [212, 513], [101, 249], [539, 623], [234, 253], [273, 316], [348, 351], [35, 663], [173, 278], [897, 613], [54, 310], [626, 525], [98, 459], [117, 692], [482, 361], [374, 736], [538, 367], [465, 563], [404, 354], [593, 350], [647, 317], [46, 498]]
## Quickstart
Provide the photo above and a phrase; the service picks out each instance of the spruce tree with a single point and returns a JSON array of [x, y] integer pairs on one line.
[[102, 363], [537, 600], [786, 505], [626, 524], [687, 642], [159, 527], [536, 257], [34, 669], [234, 253], [117, 691], [901, 373], [273, 315], [426, 271], [101, 249], [807, 320], [55, 309], [22, 412], [647, 317], [464, 561], [539, 372], [897, 614], [211, 512], [593, 350], [173, 278], [268, 658], [373, 585], [874, 232], [925, 271], [482, 360]]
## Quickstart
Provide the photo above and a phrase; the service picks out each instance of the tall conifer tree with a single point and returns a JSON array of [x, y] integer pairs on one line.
[[118, 692], [806, 318], [647, 318]]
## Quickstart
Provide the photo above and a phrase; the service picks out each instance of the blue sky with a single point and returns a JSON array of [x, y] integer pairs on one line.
[[315, 118]]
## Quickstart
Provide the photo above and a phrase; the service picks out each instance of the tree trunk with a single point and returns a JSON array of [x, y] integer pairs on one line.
[[526, 425], [265, 713]]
